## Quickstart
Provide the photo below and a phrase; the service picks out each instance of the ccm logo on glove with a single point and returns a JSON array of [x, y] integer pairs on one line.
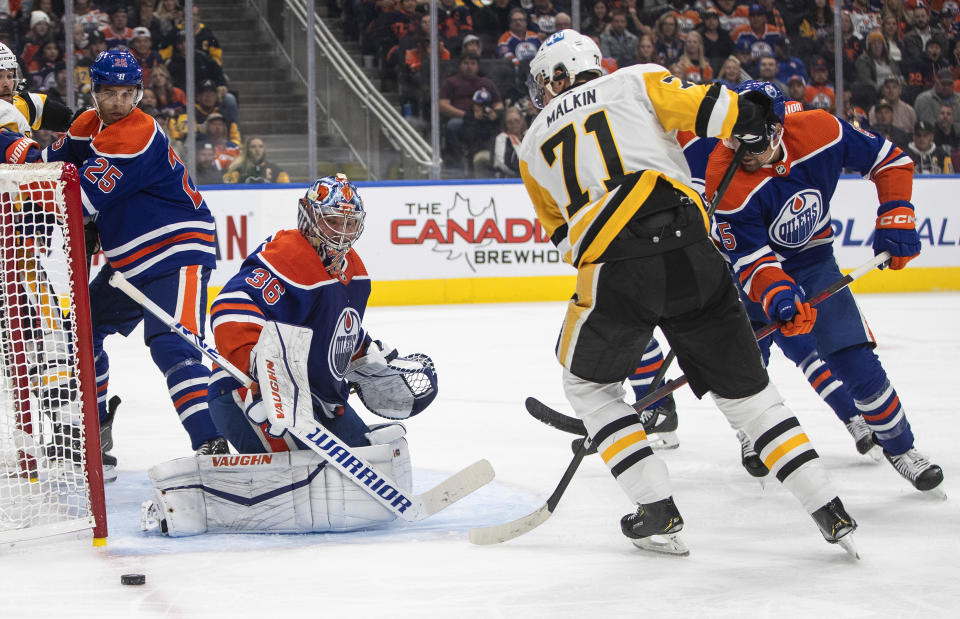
[[899, 218]]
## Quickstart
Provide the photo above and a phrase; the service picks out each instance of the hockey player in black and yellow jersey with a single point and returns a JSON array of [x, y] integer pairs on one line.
[[39, 111], [611, 186]]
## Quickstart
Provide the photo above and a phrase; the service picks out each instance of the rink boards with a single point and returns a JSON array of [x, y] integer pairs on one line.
[[462, 242]]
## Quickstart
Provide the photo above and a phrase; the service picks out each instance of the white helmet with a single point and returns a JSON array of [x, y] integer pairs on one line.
[[564, 54], [8, 61]]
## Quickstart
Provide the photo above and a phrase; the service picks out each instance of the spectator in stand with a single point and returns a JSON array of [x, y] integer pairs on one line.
[[170, 100], [518, 43], [881, 121], [688, 19], [480, 127], [117, 32], [732, 14], [411, 56], [927, 157], [599, 20], [693, 64], [455, 23], [146, 18], [945, 133], [473, 45], [758, 34], [948, 20], [796, 89], [899, 12], [393, 25], [36, 38], [618, 43], [667, 39], [788, 65], [252, 166], [717, 44], [89, 16], [767, 71], [205, 70], [647, 51], [492, 19], [564, 22], [226, 150], [891, 35], [455, 100], [904, 116], [852, 43], [873, 67], [816, 25], [634, 22], [55, 84], [44, 64], [207, 171], [731, 72], [544, 16], [608, 64], [79, 42], [865, 18], [921, 74], [148, 103], [916, 39], [928, 102], [169, 13], [819, 94], [207, 104], [95, 45], [774, 17], [141, 48], [853, 113], [505, 162]]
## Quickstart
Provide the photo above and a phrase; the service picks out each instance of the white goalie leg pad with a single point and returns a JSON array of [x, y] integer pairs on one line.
[[286, 492], [782, 444], [623, 444]]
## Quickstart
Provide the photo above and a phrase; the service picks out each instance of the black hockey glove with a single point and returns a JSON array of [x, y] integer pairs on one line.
[[756, 121], [91, 238]]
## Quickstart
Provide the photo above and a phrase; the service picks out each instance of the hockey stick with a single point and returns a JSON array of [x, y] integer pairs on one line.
[[543, 413], [502, 532], [384, 490]]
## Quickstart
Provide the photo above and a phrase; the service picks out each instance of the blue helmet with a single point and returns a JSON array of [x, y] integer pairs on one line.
[[331, 214], [116, 67], [768, 89]]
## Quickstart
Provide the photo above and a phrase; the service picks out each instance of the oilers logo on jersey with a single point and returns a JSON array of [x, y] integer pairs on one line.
[[344, 342], [798, 218]]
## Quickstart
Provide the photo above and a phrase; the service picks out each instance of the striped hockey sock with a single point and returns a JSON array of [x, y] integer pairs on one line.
[[644, 375]]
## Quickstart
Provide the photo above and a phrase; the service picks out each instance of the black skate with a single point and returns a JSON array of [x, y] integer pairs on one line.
[[106, 441], [661, 424], [109, 468], [656, 527], [214, 447], [749, 457], [836, 525], [918, 470], [863, 437]]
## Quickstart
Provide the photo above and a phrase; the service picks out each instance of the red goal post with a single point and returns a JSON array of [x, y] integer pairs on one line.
[[51, 477]]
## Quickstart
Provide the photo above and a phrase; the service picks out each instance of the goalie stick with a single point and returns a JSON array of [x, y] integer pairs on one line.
[[498, 533], [384, 490]]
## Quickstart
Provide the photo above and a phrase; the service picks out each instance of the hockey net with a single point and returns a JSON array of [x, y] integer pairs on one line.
[[51, 480]]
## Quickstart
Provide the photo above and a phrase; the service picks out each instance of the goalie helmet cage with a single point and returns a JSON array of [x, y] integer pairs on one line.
[[51, 477]]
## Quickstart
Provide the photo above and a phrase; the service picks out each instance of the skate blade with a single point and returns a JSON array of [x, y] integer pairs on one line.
[[937, 492], [670, 544], [846, 542], [663, 440], [875, 454], [109, 474]]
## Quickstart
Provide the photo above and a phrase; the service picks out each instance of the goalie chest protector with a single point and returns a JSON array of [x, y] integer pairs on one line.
[[285, 281]]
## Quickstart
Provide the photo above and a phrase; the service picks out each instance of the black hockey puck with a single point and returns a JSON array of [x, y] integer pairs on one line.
[[133, 579]]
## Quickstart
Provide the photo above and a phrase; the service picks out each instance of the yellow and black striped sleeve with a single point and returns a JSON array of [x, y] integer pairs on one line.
[[709, 111], [548, 212]]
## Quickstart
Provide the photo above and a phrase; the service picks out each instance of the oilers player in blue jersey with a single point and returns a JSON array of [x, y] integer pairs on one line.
[[773, 224], [154, 228]]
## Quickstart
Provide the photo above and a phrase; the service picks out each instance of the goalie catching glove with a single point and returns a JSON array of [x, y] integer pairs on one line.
[[392, 386]]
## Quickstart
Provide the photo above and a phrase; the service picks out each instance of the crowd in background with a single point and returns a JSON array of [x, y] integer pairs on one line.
[[901, 61], [154, 31]]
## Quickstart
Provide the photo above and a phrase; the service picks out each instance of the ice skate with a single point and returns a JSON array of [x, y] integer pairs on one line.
[[863, 437], [213, 447], [109, 468], [750, 459], [661, 424], [656, 527], [837, 525], [106, 441], [918, 470]]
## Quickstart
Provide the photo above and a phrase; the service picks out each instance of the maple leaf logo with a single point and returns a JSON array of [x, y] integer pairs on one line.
[[462, 212]]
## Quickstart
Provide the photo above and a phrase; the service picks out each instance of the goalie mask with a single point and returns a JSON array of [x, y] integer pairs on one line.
[[330, 217], [565, 54]]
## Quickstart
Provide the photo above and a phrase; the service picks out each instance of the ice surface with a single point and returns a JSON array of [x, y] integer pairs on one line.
[[753, 552]]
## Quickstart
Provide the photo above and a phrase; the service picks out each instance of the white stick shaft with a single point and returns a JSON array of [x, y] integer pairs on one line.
[[119, 281]]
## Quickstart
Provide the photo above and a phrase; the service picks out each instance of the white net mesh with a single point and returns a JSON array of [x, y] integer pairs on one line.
[[43, 480]]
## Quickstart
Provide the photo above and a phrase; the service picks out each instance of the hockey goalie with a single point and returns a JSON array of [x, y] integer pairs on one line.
[[299, 297]]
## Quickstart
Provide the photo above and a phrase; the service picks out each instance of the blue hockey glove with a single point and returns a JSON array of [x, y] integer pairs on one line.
[[897, 233], [783, 301]]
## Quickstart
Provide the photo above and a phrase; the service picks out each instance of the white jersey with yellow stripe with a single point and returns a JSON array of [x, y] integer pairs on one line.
[[588, 138], [12, 120]]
